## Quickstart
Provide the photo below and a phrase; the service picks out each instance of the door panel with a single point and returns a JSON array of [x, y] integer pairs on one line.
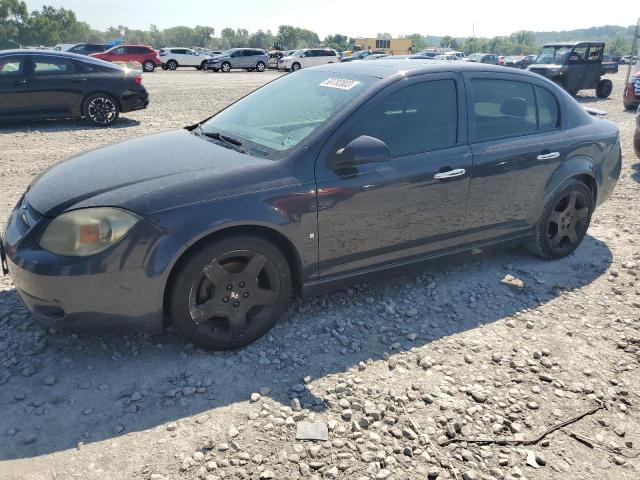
[[55, 85], [14, 96], [386, 212], [516, 146]]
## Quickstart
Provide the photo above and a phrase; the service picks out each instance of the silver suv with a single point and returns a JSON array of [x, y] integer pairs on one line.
[[248, 58]]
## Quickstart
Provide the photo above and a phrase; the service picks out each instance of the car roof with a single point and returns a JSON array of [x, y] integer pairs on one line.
[[56, 53], [572, 44], [388, 67]]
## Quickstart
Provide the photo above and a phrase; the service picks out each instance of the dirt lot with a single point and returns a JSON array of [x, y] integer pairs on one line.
[[392, 368]]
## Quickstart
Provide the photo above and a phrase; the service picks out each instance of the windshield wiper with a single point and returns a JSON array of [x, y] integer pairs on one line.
[[227, 140]]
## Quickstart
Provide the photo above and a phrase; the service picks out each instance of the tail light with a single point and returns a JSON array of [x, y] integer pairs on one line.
[[138, 79]]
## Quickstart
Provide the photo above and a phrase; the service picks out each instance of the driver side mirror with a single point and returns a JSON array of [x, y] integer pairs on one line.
[[361, 151]]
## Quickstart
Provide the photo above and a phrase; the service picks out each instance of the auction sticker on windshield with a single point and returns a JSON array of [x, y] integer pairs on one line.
[[340, 83]]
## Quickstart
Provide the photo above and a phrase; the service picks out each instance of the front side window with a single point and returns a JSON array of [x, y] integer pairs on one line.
[[595, 54], [579, 55], [502, 108], [118, 51], [280, 115], [52, 66], [416, 118], [11, 66]]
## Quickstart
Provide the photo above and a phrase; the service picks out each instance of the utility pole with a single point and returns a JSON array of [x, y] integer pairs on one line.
[[635, 52]]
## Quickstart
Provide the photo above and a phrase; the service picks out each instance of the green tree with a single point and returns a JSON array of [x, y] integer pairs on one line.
[[13, 15], [337, 41], [449, 42], [418, 42]]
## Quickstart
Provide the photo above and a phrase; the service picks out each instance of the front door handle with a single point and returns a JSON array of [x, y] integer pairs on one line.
[[548, 156], [458, 172], [79, 80], [19, 83]]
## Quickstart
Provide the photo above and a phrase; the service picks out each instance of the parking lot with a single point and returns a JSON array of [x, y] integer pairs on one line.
[[449, 351]]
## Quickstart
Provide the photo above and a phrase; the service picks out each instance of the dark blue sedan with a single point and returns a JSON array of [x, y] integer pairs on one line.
[[313, 181]]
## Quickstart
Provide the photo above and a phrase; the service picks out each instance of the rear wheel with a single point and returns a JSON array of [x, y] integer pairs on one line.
[[172, 64], [564, 221], [101, 109], [148, 66], [203, 65], [604, 88], [230, 292], [225, 67], [636, 143]]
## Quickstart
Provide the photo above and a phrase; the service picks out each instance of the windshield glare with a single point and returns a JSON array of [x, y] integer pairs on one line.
[[279, 116], [553, 55], [229, 52]]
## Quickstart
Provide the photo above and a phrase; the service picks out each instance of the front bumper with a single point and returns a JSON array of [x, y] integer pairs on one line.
[[107, 292]]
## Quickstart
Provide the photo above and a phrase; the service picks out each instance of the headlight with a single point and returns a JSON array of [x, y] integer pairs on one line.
[[87, 231]]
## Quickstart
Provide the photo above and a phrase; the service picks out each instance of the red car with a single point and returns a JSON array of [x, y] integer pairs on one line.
[[144, 55], [631, 97]]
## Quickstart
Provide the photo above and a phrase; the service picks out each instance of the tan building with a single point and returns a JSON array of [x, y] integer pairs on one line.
[[392, 46]]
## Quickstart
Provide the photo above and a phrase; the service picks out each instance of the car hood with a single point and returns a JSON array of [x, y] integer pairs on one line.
[[134, 174]]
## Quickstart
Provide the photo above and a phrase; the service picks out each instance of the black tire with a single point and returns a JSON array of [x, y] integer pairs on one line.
[[148, 66], [260, 67], [604, 88], [636, 143], [164, 66], [216, 69], [172, 65], [205, 307], [564, 221], [203, 65], [225, 67], [101, 109], [295, 67]]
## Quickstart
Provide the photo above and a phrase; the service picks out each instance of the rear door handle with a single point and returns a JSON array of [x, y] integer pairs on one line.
[[548, 156], [80, 80], [458, 172], [19, 83]]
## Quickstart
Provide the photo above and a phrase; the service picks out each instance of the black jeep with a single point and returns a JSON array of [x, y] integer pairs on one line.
[[576, 66]]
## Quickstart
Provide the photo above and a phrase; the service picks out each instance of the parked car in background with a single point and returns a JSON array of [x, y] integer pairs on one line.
[[627, 59], [631, 95], [249, 59], [82, 48], [446, 57], [361, 55], [488, 58], [309, 57], [458, 54], [142, 54], [175, 57], [376, 56], [62, 47], [575, 66], [211, 228], [500, 59], [49, 84], [519, 61]]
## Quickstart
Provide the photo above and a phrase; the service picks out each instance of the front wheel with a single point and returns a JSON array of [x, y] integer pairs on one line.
[[172, 64], [260, 66], [604, 88], [225, 67], [230, 292], [564, 221], [295, 67], [101, 109]]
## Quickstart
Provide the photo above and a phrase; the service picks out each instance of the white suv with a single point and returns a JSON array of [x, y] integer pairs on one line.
[[308, 57], [173, 58]]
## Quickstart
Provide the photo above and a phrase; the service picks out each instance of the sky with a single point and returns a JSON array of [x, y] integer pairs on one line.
[[356, 18]]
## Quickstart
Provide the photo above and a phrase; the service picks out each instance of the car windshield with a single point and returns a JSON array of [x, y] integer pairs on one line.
[[273, 119], [553, 55], [229, 52]]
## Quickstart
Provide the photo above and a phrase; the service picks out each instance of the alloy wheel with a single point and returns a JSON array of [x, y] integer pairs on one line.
[[226, 67], [234, 291], [102, 110], [568, 221]]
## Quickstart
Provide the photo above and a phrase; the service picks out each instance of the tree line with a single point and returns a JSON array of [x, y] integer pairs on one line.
[[50, 26]]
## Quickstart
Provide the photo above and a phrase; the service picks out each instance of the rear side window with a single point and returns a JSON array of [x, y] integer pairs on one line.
[[11, 66], [52, 66], [503, 108], [548, 111], [419, 117]]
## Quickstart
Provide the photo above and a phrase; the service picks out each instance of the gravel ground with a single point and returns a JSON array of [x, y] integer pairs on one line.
[[383, 373]]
